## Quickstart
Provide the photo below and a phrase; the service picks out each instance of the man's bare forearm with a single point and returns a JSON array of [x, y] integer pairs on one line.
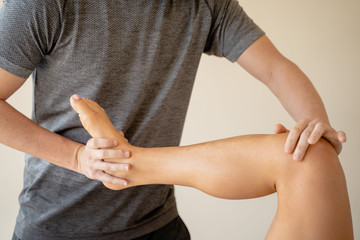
[[19, 132], [296, 93], [290, 85]]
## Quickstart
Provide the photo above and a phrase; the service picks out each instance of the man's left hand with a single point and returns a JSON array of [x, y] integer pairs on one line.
[[307, 132]]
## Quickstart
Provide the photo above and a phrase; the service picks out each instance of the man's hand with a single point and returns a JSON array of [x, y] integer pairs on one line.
[[307, 132], [90, 160]]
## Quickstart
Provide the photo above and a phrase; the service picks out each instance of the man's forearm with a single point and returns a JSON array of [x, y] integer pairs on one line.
[[296, 93], [291, 86], [19, 132]]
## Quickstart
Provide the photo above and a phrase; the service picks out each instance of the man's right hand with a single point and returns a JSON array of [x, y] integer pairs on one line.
[[90, 161]]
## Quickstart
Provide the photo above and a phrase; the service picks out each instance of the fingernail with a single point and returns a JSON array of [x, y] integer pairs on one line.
[[115, 143], [125, 183], [127, 154], [297, 157], [126, 168], [76, 97], [311, 141]]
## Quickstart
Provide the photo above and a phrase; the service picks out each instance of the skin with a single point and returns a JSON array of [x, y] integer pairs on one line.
[[19, 132], [296, 93], [288, 83], [261, 59], [312, 195]]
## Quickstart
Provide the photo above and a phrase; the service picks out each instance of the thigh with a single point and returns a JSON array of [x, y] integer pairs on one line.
[[175, 230], [240, 167]]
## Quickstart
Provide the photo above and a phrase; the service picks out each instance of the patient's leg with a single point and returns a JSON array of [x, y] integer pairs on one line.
[[92, 116], [96, 122], [312, 195]]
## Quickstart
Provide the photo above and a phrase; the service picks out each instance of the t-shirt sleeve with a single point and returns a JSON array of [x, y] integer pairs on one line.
[[28, 32], [232, 30]]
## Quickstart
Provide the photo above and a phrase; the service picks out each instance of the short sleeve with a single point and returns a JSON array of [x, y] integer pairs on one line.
[[232, 30], [28, 32]]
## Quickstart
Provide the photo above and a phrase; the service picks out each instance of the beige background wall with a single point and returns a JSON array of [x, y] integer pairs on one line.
[[323, 38]]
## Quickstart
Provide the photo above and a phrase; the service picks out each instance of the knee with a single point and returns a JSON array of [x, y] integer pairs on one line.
[[320, 163], [322, 156]]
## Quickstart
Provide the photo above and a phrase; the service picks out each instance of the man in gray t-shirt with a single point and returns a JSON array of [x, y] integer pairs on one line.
[[137, 59]]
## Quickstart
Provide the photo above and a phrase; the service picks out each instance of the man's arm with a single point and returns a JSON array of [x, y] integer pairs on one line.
[[19, 132], [296, 93]]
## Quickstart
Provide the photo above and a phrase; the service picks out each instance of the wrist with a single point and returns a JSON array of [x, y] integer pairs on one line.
[[76, 162]]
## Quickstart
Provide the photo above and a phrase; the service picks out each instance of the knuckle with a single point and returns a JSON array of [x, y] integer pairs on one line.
[[95, 142], [91, 156], [306, 134], [304, 121], [102, 154], [118, 153], [295, 129], [111, 180], [312, 124], [315, 121], [321, 125], [91, 142], [107, 167], [87, 156], [302, 145], [123, 168], [91, 174]]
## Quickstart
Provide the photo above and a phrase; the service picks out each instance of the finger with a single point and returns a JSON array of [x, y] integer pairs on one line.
[[317, 133], [279, 128], [107, 178], [301, 146], [110, 154], [334, 138], [324, 130], [112, 167], [73, 100], [101, 143], [294, 135], [303, 142], [341, 136]]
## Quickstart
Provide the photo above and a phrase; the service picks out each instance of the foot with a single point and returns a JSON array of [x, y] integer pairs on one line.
[[146, 164], [94, 118], [97, 123]]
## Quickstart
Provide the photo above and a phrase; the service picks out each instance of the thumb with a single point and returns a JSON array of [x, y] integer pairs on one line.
[[341, 136], [279, 128]]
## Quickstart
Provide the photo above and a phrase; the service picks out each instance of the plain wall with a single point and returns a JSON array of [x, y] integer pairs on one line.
[[323, 38]]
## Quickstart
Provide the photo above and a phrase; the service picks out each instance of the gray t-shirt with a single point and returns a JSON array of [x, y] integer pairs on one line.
[[138, 60]]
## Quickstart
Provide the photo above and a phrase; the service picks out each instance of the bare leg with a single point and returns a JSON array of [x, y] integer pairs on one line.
[[312, 196], [91, 114]]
